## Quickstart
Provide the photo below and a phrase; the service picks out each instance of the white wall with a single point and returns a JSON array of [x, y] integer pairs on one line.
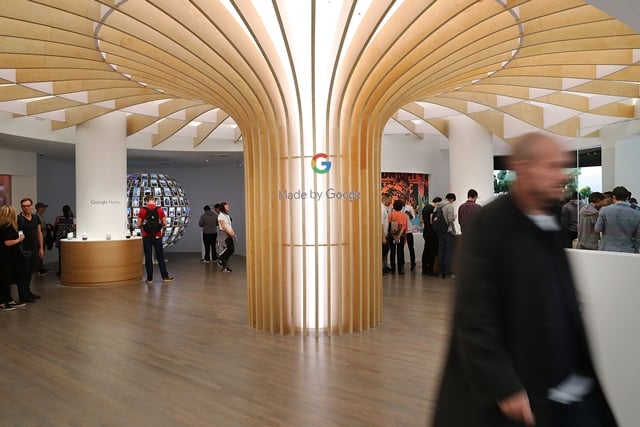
[[22, 167], [205, 185], [56, 188], [208, 186], [407, 153], [609, 292], [627, 162]]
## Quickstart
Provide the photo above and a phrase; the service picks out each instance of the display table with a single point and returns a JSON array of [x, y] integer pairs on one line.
[[93, 263]]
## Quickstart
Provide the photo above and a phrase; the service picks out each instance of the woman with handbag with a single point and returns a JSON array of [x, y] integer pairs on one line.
[[11, 263]]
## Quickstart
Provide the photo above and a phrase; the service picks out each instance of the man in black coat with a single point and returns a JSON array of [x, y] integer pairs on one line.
[[519, 353]]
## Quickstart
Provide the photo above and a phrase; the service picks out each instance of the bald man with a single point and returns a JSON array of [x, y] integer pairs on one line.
[[519, 354]]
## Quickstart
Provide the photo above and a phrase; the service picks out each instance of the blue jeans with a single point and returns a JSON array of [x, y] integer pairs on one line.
[[446, 243], [150, 243]]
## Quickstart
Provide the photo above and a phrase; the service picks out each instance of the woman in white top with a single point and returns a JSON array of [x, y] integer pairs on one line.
[[225, 238]]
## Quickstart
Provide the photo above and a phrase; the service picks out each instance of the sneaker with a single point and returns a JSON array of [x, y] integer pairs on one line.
[[413, 268], [35, 296], [149, 281], [219, 261], [401, 272], [6, 307], [452, 276], [16, 304], [168, 279], [205, 261], [44, 272], [226, 270]]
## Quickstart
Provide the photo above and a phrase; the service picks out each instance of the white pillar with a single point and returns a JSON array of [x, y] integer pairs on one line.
[[470, 160], [101, 177], [608, 158], [620, 155]]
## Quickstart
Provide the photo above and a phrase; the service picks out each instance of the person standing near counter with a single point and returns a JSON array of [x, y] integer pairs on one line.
[[151, 219]]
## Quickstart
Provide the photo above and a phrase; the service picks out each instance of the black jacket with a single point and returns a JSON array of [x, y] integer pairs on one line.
[[516, 321]]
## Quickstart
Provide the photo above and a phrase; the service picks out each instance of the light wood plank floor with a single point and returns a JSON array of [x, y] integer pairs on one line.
[[181, 354]]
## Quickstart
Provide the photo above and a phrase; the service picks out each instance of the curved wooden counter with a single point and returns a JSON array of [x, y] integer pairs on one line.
[[101, 262]]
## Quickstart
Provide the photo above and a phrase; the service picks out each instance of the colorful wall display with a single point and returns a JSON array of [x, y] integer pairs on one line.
[[168, 194], [414, 187], [5, 190]]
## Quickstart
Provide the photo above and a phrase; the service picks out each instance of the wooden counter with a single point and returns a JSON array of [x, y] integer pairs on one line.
[[95, 263]]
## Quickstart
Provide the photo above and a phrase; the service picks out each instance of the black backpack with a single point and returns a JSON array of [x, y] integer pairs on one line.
[[151, 222], [439, 222]]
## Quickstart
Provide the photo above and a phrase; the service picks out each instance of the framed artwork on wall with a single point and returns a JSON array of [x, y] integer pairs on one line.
[[5, 190], [413, 187]]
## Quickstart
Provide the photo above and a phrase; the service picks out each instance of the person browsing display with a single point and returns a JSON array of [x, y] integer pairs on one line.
[[151, 219]]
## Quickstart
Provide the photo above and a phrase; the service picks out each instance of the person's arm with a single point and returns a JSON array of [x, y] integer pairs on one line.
[[163, 216], [599, 227], [201, 222], [404, 228], [139, 223], [40, 239], [225, 227], [13, 242], [385, 227]]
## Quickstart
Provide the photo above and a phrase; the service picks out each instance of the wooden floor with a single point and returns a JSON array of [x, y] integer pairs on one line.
[[181, 354]]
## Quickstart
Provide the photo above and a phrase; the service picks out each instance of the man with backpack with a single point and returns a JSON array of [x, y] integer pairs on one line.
[[443, 223], [151, 219]]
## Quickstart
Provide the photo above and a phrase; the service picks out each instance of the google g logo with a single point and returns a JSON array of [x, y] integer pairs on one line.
[[320, 163]]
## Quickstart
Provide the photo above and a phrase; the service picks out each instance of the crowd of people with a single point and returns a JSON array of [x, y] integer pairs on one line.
[[608, 221], [438, 221], [25, 236], [518, 352]]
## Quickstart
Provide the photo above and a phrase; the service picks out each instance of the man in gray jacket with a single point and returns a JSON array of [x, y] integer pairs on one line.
[[446, 241], [619, 224], [209, 223]]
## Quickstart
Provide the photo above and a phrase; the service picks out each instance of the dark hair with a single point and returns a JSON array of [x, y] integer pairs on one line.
[[437, 199], [633, 200], [450, 196], [471, 194], [149, 198], [26, 199], [596, 197], [207, 207], [222, 207], [398, 205], [620, 193], [67, 212]]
